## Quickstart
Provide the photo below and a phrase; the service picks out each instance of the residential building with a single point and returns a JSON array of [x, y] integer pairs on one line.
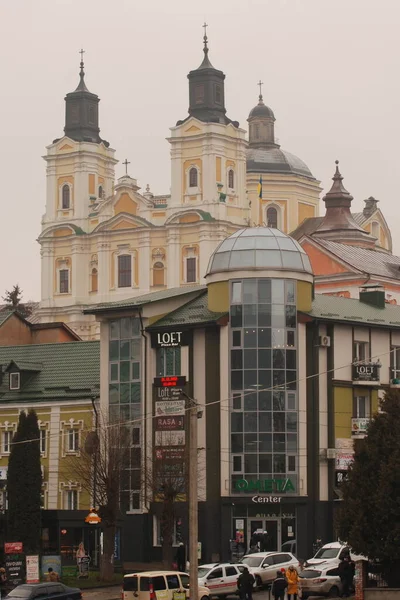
[[16, 330], [60, 381]]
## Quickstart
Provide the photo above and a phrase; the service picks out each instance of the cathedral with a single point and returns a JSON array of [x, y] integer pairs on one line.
[[106, 241]]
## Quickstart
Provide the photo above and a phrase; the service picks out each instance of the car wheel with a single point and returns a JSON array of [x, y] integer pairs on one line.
[[206, 597], [259, 583], [333, 592]]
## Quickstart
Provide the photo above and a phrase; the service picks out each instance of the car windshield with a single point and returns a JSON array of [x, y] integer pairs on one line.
[[310, 574], [21, 592], [203, 572], [252, 561], [327, 553]]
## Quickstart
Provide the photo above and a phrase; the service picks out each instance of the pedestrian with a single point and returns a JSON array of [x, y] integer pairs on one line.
[[245, 584], [264, 541], [3, 582], [180, 557], [346, 574], [292, 578], [279, 586], [52, 575]]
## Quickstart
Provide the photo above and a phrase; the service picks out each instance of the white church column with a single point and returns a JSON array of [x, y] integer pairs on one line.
[[47, 277], [103, 256], [144, 267], [173, 258]]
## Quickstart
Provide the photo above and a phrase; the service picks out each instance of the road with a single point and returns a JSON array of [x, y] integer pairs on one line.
[[114, 593]]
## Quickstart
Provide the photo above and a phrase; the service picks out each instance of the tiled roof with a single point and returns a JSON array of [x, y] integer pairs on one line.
[[195, 312], [359, 218], [372, 262], [145, 299], [335, 308], [24, 365], [310, 225], [68, 370]]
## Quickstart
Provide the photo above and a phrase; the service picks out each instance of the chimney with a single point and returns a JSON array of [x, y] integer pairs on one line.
[[373, 294], [371, 205]]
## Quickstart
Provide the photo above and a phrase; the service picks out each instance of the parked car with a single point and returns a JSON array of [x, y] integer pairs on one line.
[[45, 591], [220, 578], [264, 565], [320, 581], [333, 553], [289, 546], [146, 585]]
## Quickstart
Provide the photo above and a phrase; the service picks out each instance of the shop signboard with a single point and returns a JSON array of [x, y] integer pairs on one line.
[[365, 371], [170, 454], [167, 393], [170, 381], [14, 563], [53, 561], [170, 438], [265, 485], [359, 427], [343, 460], [32, 569], [172, 423], [167, 408], [169, 339]]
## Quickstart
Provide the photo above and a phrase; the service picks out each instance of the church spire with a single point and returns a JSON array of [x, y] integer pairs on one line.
[[261, 124], [82, 112], [206, 90]]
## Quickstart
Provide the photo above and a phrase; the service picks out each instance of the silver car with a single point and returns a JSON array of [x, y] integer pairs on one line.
[[264, 565], [320, 581]]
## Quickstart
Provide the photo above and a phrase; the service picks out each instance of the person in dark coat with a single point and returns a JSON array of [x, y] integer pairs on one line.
[[279, 586], [264, 542], [180, 557], [245, 584], [346, 574]]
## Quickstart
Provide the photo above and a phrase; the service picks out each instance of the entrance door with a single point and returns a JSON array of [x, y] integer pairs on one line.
[[266, 532]]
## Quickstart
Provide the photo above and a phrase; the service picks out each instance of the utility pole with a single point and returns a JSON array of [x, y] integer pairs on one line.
[[193, 499]]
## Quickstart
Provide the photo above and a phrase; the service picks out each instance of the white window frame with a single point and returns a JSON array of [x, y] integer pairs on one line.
[[190, 253], [367, 406], [125, 252], [192, 191], [65, 428], [228, 187], [6, 440], [356, 350], [43, 441], [17, 386], [157, 531], [60, 195], [278, 214], [72, 435], [71, 499], [396, 365]]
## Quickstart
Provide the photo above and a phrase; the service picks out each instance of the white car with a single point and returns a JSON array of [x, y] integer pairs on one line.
[[264, 565], [320, 581], [220, 578], [333, 553]]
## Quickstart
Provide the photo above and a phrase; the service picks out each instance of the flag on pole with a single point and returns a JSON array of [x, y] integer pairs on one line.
[[260, 187]]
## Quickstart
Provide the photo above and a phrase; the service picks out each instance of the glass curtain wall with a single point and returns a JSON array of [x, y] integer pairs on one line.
[[125, 401], [263, 386]]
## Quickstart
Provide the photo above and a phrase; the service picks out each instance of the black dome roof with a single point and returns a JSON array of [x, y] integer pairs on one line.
[[262, 110]]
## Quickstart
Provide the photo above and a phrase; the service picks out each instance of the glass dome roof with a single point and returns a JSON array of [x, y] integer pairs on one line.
[[259, 248]]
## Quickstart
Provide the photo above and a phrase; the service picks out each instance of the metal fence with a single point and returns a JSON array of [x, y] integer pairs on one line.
[[375, 576]]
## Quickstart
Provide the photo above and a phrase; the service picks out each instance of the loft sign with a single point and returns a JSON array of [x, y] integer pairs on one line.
[[366, 372], [269, 486], [169, 339]]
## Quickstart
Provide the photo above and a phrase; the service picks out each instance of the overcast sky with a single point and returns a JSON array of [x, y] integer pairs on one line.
[[331, 71]]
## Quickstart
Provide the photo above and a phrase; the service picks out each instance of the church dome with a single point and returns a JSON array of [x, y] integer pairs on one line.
[[261, 248], [261, 110], [275, 160]]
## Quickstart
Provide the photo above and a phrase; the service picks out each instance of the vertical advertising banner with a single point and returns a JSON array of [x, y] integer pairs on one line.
[[32, 569]]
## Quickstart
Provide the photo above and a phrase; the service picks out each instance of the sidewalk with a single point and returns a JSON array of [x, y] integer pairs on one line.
[[107, 593]]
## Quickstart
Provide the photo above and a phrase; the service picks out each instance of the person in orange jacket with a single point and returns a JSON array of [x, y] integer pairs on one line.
[[292, 577]]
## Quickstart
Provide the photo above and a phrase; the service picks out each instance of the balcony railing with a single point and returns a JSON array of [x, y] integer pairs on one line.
[[359, 427], [366, 372]]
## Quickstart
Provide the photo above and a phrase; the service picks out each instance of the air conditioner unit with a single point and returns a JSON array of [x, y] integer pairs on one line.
[[324, 340], [331, 453]]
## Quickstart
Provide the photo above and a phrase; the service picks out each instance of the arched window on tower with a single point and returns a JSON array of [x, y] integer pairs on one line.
[[272, 217], [66, 194], [100, 191], [193, 177], [231, 179], [158, 274], [375, 229], [94, 276]]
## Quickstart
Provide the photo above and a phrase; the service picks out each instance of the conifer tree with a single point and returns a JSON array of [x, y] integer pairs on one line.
[[369, 518], [24, 482]]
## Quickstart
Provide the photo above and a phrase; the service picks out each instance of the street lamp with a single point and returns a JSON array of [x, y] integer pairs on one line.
[[194, 415]]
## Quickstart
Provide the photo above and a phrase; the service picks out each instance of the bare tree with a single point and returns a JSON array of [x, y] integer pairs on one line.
[[103, 457], [167, 482]]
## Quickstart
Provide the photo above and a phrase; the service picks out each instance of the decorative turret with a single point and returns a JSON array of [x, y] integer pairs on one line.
[[338, 224], [82, 112], [261, 125], [207, 92]]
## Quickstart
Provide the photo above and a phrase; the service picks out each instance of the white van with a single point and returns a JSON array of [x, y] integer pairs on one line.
[[158, 585], [333, 553]]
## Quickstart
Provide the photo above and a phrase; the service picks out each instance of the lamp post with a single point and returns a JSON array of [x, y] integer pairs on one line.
[[194, 415]]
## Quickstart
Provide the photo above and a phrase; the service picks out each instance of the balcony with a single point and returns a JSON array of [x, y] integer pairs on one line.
[[359, 427], [366, 372], [394, 377]]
